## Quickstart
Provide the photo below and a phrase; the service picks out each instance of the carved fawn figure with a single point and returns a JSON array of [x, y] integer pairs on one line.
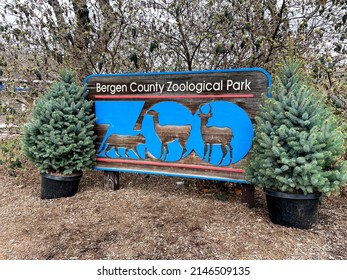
[[169, 133], [128, 142], [113, 139], [214, 135]]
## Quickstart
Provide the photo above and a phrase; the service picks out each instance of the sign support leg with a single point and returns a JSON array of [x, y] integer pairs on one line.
[[111, 180], [247, 195]]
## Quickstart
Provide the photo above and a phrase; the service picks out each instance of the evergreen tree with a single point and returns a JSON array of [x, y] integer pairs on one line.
[[299, 144], [59, 137]]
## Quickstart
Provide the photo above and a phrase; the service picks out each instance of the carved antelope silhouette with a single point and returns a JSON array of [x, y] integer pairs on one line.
[[170, 133], [114, 140], [214, 135], [127, 142]]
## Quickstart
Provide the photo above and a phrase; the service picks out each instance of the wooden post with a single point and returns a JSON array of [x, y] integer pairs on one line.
[[247, 195], [111, 180]]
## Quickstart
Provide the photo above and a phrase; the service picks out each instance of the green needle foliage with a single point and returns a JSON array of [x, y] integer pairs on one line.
[[59, 138], [299, 143]]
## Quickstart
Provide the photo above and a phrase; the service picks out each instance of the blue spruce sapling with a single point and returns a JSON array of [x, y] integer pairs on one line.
[[59, 137], [299, 143]]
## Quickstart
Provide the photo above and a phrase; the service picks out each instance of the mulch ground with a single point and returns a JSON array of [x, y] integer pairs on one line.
[[154, 217]]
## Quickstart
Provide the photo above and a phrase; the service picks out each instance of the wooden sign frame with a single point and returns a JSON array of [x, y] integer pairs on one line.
[[196, 124]]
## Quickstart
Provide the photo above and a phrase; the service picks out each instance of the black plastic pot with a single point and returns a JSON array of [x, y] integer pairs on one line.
[[293, 210], [53, 186]]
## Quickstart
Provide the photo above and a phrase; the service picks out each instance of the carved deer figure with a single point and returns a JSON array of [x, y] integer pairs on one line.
[[128, 142], [214, 135], [170, 133]]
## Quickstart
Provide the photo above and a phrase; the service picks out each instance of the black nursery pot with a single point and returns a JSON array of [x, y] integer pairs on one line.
[[293, 210], [53, 186]]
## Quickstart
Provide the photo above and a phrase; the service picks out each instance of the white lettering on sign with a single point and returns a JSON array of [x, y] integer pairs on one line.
[[111, 88], [134, 87], [197, 87], [238, 85]]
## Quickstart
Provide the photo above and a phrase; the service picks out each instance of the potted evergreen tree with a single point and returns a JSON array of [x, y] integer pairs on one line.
[[298, 149], [59, 137]]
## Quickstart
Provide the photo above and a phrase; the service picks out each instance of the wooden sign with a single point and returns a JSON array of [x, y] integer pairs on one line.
[[192, 124]]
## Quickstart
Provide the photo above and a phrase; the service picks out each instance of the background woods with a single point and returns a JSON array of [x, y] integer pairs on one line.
[[38, 38]]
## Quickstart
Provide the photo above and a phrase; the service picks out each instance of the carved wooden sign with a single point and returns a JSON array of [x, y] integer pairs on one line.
[[192, 124]]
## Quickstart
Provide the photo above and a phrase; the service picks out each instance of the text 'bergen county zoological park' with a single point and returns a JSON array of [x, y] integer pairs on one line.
[[170, 86]]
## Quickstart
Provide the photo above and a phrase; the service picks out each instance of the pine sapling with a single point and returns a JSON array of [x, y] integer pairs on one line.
[[299, 143]]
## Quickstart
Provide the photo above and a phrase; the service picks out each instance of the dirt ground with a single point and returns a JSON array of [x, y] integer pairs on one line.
[[154, 217]]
